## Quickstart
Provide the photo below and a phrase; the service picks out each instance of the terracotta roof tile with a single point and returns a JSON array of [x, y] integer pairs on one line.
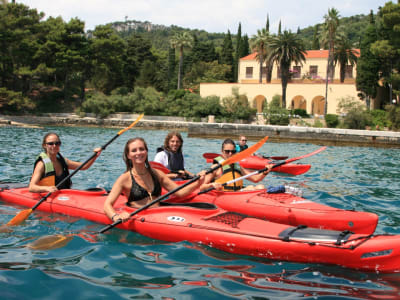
[[309, 54]]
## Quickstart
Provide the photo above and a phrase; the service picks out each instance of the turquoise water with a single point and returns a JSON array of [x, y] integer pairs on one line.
[[125, 265]]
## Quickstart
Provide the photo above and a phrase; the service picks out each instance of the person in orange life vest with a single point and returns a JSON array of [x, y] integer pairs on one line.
[[229, 172], [171, 156], [141, 184], [51, 167]]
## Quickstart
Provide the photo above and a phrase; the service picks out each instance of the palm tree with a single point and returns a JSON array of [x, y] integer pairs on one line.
[[181, 41], [344, 54], [285, 49], [329, 29], [259, 43]]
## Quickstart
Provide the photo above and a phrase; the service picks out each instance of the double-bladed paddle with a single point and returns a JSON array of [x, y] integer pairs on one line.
[[23, 215], [265, 169], [234, 158]]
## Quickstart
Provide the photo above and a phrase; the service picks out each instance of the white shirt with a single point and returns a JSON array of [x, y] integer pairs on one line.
[[162, 158]]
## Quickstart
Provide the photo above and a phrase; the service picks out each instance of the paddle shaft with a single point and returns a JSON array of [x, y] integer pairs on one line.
[[265, 169]]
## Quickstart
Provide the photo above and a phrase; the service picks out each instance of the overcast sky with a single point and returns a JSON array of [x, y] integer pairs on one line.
[[210, 15]]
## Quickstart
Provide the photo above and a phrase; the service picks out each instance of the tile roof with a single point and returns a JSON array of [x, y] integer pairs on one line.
[[309, 54]]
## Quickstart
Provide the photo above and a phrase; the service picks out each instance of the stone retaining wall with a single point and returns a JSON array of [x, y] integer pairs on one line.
[[324, 136]]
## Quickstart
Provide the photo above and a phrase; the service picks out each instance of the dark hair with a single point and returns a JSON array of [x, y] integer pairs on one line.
[[128, 162], [169, 137], [227, 142], [45, 138]]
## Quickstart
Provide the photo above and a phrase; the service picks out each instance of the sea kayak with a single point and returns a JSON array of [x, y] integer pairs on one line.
[[288, 209], [257, 163], [228, 231]]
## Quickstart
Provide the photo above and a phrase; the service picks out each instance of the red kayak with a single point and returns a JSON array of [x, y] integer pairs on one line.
[[257, 163], [288, 209], [232, 232]]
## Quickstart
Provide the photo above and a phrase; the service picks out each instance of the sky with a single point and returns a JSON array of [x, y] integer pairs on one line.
[[210, 15]]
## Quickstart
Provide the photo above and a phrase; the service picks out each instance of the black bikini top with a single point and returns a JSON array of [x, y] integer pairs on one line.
[[138, 192]]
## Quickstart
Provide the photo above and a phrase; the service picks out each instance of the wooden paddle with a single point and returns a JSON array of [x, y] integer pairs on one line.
[[23, 215], [265, 169], [234, 158]]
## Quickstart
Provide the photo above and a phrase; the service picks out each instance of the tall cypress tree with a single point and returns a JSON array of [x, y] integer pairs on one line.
[[237, 53], [245, 49], [368, 65], [227, 54]]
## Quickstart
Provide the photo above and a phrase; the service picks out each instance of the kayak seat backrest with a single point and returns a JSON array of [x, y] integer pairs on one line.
[[301, 232]]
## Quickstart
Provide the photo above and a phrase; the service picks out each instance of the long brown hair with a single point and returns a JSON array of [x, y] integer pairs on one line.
[[169, 137], [128, 162]]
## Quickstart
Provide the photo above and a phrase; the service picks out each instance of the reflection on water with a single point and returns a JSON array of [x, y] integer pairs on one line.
[[126, 265]]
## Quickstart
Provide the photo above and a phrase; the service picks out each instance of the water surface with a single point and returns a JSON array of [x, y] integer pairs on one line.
[[126, 265]]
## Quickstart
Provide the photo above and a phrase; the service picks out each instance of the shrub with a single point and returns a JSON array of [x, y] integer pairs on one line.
[[393, 116], [300, 112], [15, 102], [331, 120], [379, 118], [357, 119], [274, 114]]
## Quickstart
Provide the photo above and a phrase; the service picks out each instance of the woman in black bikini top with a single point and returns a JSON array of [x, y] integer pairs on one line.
[[138, 192], [139, 179]]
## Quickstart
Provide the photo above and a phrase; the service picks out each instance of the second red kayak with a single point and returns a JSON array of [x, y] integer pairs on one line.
[[257, 163]]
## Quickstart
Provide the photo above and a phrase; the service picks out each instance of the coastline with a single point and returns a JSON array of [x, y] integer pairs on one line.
[[298, 134]]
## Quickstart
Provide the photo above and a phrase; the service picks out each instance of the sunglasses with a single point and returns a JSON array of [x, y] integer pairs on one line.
[[244, 140], [54, 143], [229, 151]]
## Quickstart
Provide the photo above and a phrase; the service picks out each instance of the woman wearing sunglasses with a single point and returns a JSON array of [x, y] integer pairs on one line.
[[51, 167], [230, 172]]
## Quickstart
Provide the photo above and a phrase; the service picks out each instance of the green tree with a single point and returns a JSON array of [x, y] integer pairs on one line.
[[239, 42], [315, 40], [284, 50], [108, 51], [344, 54], [171, 67], [368, 66], [18, 45], [227, 55], [181, 41], [260, 42], [329, 30], [138, 50], [245, 49]]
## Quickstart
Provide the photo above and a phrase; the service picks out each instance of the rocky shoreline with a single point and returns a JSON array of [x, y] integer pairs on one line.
[[321, 136]]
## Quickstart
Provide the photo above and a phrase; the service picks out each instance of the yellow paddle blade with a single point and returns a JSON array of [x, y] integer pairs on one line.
[[130, 126], [50, 242], [20, 217], [243, 154]]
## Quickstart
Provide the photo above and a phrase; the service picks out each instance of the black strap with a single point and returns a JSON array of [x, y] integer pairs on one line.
[[341, 236], [201, 205], [286, 238]]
